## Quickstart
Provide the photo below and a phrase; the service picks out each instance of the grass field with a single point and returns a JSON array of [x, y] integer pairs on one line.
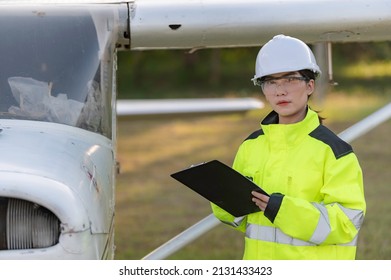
[[151, 207]]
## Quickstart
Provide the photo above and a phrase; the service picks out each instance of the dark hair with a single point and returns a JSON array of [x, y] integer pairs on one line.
[[310, 75]]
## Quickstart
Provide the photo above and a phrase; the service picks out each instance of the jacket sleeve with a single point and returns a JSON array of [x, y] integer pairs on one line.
[[337, 218], [238, 223]]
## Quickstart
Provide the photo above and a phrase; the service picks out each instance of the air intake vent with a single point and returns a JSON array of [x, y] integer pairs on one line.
[[26, 225]]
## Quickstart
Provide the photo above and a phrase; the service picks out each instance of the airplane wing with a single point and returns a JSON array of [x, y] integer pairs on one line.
[[143, 107], [156, 24]]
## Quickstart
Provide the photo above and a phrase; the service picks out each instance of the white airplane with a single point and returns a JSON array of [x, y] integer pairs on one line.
[[58, 104]]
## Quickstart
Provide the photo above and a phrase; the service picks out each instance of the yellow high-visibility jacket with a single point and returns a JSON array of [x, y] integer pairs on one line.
[[317, 203]]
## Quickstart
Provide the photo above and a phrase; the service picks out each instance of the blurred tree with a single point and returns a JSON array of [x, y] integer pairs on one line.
[[211, 72]]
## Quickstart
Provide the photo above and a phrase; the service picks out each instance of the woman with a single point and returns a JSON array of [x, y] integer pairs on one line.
[[316, 205]]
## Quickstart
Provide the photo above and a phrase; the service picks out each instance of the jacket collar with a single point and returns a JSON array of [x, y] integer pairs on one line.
[[289, 133]]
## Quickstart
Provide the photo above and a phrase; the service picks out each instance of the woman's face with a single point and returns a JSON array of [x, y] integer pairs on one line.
[[287, 94]]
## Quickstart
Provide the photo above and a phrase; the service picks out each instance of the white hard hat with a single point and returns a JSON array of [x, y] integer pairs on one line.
[[284, 54]]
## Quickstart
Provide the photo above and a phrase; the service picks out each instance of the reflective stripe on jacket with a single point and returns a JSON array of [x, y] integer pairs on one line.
[[317, 203]]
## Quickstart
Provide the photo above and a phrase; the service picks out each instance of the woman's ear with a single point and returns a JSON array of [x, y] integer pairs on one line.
[[310, 87]]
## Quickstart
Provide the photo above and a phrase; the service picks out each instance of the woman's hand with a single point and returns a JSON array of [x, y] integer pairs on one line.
[[260, 200]]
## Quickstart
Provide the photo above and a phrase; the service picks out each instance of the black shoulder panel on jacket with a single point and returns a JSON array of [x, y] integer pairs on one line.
[[340, 148], [255, 134]]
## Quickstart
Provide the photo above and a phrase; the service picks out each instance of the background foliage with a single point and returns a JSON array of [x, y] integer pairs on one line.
[[222, 72]]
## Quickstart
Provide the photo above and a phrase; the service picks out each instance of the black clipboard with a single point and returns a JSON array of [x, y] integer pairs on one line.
[[221, 185]]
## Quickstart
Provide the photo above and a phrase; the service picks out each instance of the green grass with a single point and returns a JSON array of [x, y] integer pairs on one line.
[[151, 207]]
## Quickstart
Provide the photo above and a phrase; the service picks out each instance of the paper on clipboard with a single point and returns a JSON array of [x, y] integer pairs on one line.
[[221, 185]]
